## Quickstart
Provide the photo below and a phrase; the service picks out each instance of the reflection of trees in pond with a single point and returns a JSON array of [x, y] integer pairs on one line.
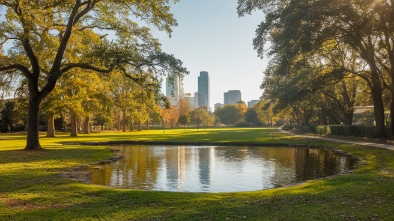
[[312, 163], [138, 169], [141, 165], [229, 154], [204, 168], [282, 155], [291, 164]]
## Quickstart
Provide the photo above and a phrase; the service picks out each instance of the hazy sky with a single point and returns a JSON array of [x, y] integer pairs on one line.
[[210, 37]]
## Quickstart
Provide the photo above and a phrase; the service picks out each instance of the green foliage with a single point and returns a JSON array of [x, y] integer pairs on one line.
[[243, 124], [345, 130], [288, 127], [316, 45], [251, 117], [184, 119], [50, 39], [10, 118], [229, 114]]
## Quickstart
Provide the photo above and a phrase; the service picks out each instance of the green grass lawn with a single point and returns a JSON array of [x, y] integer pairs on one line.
[[31, 188]]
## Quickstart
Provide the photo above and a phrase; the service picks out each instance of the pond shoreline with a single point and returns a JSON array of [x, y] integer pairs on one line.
[[80, 173]]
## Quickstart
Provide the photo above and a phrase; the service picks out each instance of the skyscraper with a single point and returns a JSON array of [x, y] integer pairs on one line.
[[174, 89], [203, 89], [232, 97], [252, 103]]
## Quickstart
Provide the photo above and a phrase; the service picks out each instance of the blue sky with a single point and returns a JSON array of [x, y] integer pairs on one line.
[[211, 37]]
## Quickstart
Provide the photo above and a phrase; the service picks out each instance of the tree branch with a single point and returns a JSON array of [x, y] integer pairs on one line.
[[25, 71], [85, 66]]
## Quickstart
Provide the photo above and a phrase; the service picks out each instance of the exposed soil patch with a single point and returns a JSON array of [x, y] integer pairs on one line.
[[16, 203], [81, 173]]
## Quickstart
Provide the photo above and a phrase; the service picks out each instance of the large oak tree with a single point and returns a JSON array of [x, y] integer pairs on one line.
[[42, 40]]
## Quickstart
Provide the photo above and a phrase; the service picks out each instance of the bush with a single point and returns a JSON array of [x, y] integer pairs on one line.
[[345, 130], [287, 127], [242, 124], [321, 129]]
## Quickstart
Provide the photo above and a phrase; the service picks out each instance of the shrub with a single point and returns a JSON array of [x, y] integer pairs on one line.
[[344, 130], [287, 127], [242, 124]]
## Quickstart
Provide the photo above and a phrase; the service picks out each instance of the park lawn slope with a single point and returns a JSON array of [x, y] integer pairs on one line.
[[31, 188]]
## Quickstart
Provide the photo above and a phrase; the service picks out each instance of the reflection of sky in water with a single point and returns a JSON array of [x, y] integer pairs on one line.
[[216, 169]]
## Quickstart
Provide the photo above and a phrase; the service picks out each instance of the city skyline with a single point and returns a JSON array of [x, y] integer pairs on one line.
[[216, 40], [176, 90]]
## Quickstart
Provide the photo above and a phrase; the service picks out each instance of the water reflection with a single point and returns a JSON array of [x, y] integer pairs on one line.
[[217, 169]]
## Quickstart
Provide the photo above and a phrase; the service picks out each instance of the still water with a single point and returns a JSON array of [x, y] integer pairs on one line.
[[216, 168]]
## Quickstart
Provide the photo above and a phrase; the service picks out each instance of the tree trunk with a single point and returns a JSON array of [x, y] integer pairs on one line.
[[74, 125], [377, 97], [348, 118], [139, 125], [376, 90], [118, 122], [51, 126], [32, 141], [131, 124], [147, 124], [124, 121], [379, 113], [79, 125], [392, 115], [86, 125]]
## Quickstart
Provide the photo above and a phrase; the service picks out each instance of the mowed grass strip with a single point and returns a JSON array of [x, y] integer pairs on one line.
[[31, 189]]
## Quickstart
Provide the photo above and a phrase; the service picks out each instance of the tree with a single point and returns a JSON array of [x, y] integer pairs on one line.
[[229, 114], [296, 28], [242, 108], [200, 117], [50, 38], [184, 109], [8, 118], [251, 117], [52, 107], [184, 106], [184, 119], [170, 116]]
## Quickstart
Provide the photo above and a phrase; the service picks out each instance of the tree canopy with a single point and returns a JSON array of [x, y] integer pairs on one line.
[[318, 43], [43, 40]]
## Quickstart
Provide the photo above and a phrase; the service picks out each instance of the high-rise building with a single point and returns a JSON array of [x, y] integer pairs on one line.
[[232, 97], [174, 89], [195, 99], [191, 100], [203, 89], [252, 103]]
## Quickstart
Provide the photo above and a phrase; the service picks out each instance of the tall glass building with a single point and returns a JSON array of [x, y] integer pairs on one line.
[[174, 89], [232, 97], [203, 90]]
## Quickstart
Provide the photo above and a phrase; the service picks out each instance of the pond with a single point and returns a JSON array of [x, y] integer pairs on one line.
[[217, 168]]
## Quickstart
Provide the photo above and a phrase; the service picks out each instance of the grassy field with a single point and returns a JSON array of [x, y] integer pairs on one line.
[[31, 188]]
